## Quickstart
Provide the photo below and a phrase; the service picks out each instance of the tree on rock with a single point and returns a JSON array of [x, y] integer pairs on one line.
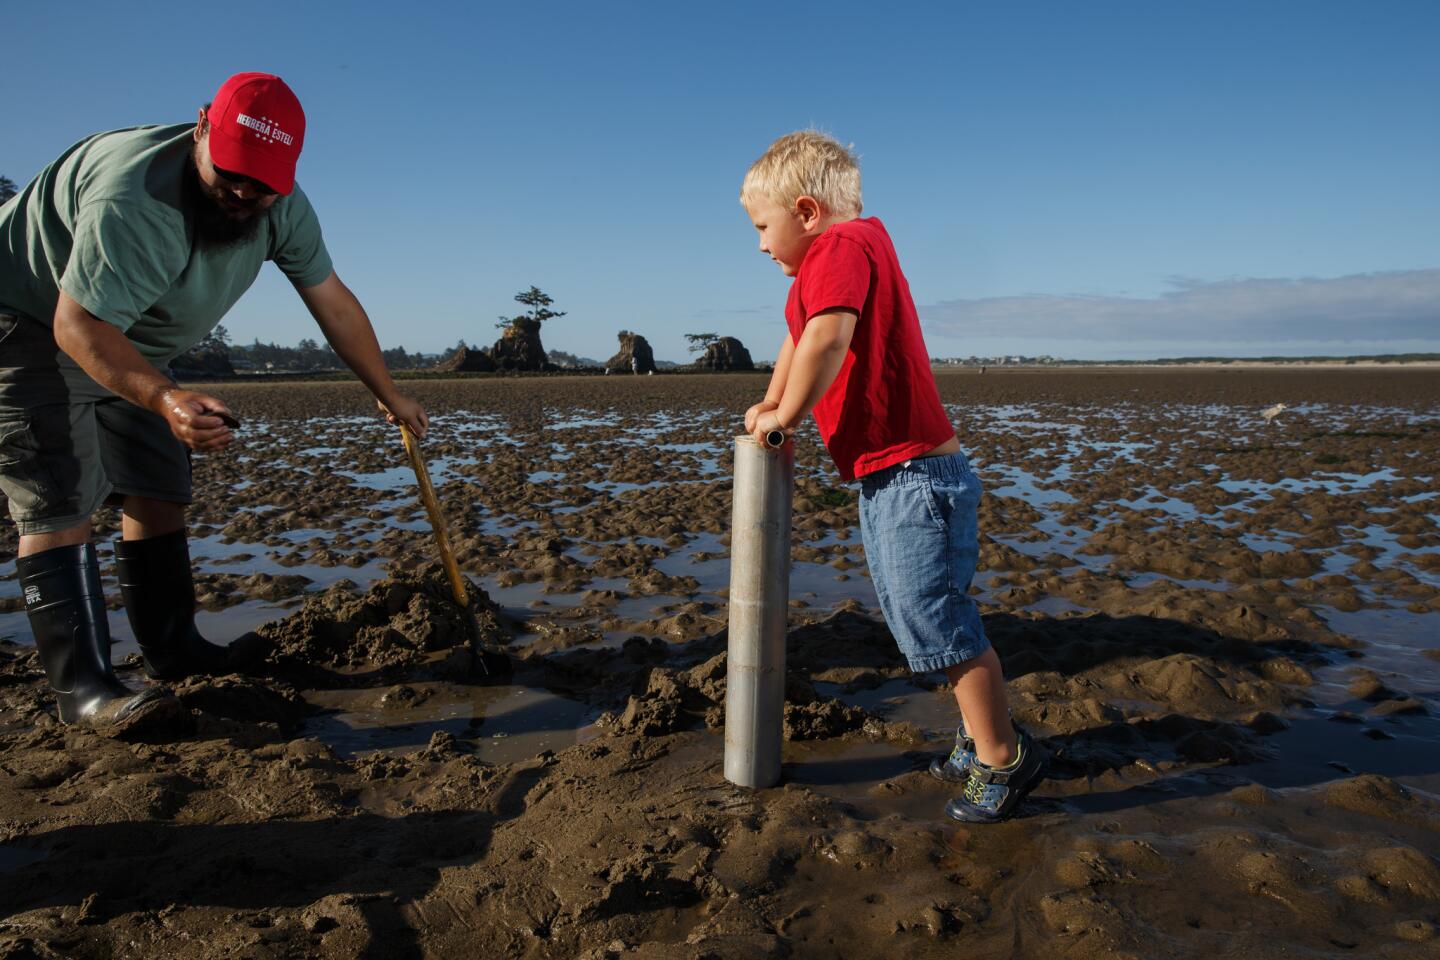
[[519, 346], [725, 353], [539, 304], [701, 341], [635, 355]]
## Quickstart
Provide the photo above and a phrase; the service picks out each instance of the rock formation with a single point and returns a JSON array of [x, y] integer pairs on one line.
[[726, 353], [635, 355], [465, 360], [519, 347]]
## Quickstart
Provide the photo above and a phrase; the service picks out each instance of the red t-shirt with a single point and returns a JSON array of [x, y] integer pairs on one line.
[[883, 407]]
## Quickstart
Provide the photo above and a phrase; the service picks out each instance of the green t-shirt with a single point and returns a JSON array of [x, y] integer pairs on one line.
[[106, 223]]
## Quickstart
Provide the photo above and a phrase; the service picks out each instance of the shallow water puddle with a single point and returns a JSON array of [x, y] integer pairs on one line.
[[503, 723], [211, 555], [1318, 750], [18, 855]]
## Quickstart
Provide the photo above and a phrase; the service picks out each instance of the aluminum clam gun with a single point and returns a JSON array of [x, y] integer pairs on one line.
[[759, 604], [437, 519]]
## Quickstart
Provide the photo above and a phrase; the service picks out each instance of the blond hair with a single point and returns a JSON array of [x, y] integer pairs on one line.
[[806, 163]]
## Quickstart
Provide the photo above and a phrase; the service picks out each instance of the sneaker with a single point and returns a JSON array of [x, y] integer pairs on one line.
[[992, 793], [956, 767]]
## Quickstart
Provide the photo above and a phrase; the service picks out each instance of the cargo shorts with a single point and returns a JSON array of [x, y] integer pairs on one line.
[[67, 444]]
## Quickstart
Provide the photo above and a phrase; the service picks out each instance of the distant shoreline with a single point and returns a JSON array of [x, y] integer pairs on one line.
[[941, 369], [1199, 365]]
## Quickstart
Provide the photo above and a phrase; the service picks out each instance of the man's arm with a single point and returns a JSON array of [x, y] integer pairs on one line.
[[112, 361], [811, 368], [347, 327]]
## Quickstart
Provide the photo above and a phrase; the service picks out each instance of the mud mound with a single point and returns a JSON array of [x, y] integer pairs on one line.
[[667, 699], [245, 699], [397, 626]]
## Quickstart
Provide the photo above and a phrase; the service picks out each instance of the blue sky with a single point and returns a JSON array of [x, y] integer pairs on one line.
[[1083, 179]]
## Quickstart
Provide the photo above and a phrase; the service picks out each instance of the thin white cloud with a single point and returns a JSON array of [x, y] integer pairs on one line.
[[732, 311], [1398, 305]]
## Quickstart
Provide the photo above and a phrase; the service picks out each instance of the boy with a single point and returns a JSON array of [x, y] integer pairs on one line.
[[855, 357]]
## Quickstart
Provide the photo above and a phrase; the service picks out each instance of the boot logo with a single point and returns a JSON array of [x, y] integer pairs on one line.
[[32, 595]]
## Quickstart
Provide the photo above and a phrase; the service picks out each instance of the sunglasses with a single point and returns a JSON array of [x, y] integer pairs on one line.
[[240, 180]]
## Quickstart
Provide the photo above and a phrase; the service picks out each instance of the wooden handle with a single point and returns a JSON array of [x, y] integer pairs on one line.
[[437, 519]]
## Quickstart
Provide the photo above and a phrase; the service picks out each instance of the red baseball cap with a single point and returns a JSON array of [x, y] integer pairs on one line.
[[257, 128]]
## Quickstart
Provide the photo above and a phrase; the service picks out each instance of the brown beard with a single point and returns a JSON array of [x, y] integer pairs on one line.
[[216, 225]]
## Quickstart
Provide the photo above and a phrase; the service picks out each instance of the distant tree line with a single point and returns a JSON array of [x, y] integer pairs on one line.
[[517, 349], [307, 355], [312, 355]]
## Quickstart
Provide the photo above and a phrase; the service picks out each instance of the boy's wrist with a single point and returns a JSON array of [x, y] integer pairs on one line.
[[786, 423]]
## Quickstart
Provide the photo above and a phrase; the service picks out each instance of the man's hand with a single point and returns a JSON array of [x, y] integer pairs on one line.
[[764, 406], [765, 423], [193, 418], [402, 409]]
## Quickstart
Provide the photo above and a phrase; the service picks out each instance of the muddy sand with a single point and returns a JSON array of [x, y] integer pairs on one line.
[[1223, 631]]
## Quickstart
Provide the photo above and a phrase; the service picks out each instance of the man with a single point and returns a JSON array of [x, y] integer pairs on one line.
[[119, 256]]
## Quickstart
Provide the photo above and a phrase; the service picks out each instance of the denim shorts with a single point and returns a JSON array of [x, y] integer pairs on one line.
[[918, 521], [67, 444]]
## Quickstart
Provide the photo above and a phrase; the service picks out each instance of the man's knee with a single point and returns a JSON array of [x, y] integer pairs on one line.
[[32, 543], [147, 517]]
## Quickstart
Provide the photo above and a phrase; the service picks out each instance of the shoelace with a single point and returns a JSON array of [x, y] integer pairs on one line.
[[978, 792]]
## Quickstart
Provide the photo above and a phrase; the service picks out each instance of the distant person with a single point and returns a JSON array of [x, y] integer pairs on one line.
[[119, 256], [855, 357], [634, 364]]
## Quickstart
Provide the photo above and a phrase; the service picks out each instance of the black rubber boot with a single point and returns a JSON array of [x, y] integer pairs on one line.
[[159, 594], [66, 606]]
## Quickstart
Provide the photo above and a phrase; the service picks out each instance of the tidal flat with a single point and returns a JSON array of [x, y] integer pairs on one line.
[[1225, 632]]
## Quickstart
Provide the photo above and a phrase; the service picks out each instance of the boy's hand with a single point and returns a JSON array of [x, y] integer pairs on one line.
[[753, 414], [764, 406], [765, 423]]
